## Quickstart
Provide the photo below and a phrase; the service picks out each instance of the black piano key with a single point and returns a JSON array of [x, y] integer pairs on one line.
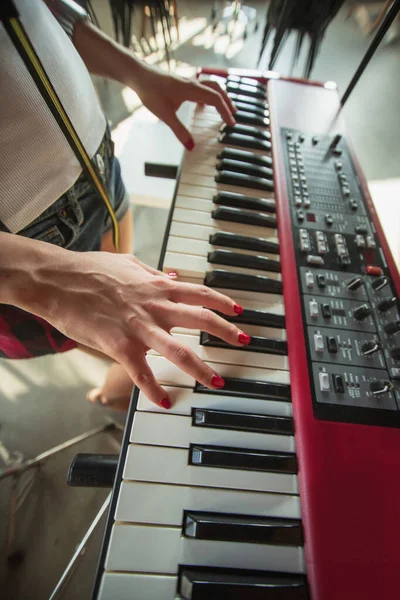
[[243, 242], [248, 217], [245, 90], [253, 109], [242, 459], [220, 419], [241, 201], [260, 104], [204, 583], [256, 317], [247, 157], [247, 261], [242, 180], [246, 130], [242, 281], [242, 116], [242, 529], [237, 166], [244, 141], [254, 389], [246, 81], [257, 344]]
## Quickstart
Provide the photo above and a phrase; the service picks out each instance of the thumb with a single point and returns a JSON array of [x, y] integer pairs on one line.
[[180, 131]]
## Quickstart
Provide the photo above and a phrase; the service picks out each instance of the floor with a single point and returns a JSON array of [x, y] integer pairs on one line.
[[42, 401]]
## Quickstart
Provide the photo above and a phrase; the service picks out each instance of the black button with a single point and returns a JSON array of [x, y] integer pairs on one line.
[[332, 345], [321, 281], [326, 311], [361, 229], [386, 305], [395, 353], [338, 384], [362, 312]]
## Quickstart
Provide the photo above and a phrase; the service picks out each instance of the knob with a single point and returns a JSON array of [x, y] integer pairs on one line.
[[92, 470], [392, 328], [387, 304], [355, 283], [379, 283], [370, 347], [362, 312], [395, 353], [380, 386]]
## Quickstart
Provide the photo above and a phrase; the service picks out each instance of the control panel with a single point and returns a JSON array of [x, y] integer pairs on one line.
[[350, 306]]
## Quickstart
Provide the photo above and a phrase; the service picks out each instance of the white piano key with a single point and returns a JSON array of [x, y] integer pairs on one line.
[[206, 181], [170, 465], [184, 399], [198, 217], [191, 265], [161, 549], [231, 356], [169, 374], [206, 193], [202, 248], [202, 232], [140, 502], [137, 586], [177, 431]]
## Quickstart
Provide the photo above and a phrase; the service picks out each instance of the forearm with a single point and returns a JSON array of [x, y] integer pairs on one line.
[[105, 57]]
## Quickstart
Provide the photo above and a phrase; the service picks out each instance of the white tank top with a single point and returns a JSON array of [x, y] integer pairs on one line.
[[37, 164]]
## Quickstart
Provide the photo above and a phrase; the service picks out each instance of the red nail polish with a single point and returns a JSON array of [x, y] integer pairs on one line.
[[165, 403], [172, 274], [238, 309], [189, 145], [244, 338], [217, 382]]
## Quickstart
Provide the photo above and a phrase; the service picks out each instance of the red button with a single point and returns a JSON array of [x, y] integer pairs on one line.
[[371, 270]]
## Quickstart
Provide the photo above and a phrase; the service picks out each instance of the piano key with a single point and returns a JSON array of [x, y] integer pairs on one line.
[[242, 116], [232, 240], [244, 99], [255, 317], [246, 81], [255, 132], [219, 278], [207, 193], [184, 399], [243, 387], [229, 199], [240, 458], [245, 141], [238, 215], [247, 157], [252, 109], [239, 421], [159, 464], [214, 584], [242, 180], [227, 164], [141, 586], [197, 217], [257, 344], [237, 259], [274, 383], [202, 247], [197, 266], [245, 90], [197, 181], [242, 528], [140, 502], [251, 330], [146, 548], [176, 431]]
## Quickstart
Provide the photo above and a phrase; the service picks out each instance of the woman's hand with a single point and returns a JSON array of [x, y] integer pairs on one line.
[[163, 94], [121, 307]]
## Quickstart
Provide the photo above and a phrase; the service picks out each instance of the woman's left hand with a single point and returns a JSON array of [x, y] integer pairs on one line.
[[163, 94]]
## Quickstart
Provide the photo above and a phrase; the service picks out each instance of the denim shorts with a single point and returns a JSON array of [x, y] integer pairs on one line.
[[76, 221]]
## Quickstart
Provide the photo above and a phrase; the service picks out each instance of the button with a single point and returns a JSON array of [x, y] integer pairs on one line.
[[332, 345], [324, 382], [373, 270], [344, 260], [337, 151], [316, 261], [345, 191], [321, 281], [305, 245], [371, 243], [307, 203], [313, 309], [395, 373], [395, 353], [353, 205], [387, 304], [298, 201], [100, 163], [354, 284], [362, 312], [380, 386], [370, 347], [309, 279], [320, 236], [380, 283], [328, 220], [289, 135], [326, 311], [338, 384], [360, 241], [322, 248], [300, 215], [338, 165], [335, 141], [315, 140], [318, 342], [361, 229], [392, 328], [302, 137]]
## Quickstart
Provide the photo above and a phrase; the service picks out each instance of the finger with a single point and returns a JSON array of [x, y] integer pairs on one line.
[[184, 358], [201, 295], [179, 130], [143, 377], [195, 317], [201, 93], [215, 86]]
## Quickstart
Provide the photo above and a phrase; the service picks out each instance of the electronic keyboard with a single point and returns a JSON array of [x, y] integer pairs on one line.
[[283, 485]]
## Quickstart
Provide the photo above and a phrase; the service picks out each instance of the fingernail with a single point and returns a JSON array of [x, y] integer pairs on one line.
[[165, 403], [217, 382], [172, 274], [244, 338], [189, 145], [238, 309]]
